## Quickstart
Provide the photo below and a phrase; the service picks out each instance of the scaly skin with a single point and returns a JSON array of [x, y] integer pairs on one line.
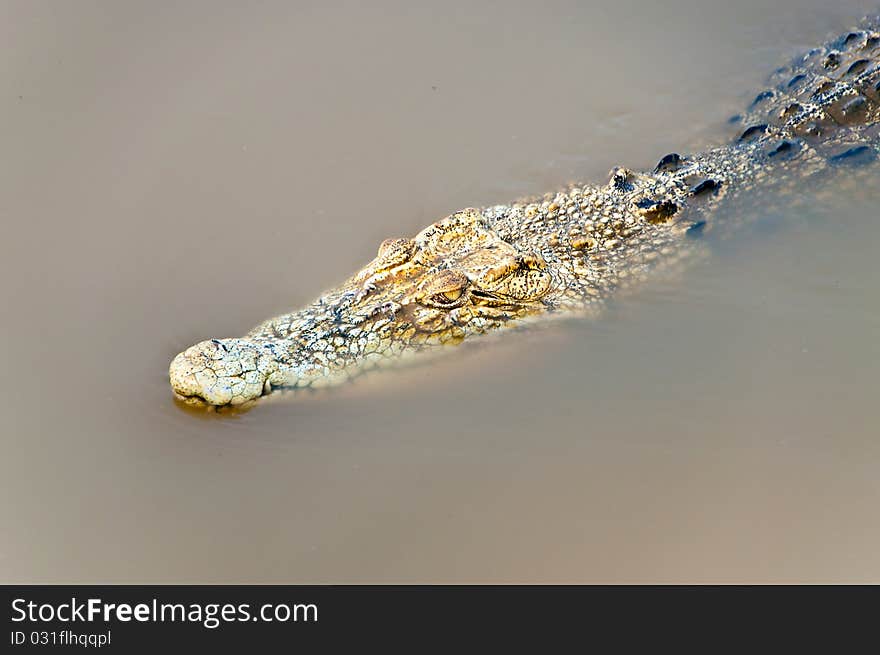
[[480, 270]]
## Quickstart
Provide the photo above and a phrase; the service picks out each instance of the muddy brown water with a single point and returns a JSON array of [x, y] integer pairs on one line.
[[174, 173]]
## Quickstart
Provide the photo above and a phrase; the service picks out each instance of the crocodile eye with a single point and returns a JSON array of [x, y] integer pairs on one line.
[[444, 289], [393, 252], [446, 298]]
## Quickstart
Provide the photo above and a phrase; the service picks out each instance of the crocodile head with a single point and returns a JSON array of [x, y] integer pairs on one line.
[[455, 279]]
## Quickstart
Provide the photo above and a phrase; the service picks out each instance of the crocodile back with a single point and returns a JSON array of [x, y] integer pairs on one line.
[[827, 100]]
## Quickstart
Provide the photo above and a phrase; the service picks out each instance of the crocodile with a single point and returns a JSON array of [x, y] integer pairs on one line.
[[566, 254]]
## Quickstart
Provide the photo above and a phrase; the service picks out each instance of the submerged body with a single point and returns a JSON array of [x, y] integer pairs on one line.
[[479, 270]]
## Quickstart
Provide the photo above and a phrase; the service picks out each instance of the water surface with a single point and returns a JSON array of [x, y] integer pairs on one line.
[[175, 173]]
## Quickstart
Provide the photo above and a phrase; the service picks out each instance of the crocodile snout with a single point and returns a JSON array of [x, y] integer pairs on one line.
[[222, 371]]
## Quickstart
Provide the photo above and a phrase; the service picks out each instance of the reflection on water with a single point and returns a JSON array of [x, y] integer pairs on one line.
[[172, 175]]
